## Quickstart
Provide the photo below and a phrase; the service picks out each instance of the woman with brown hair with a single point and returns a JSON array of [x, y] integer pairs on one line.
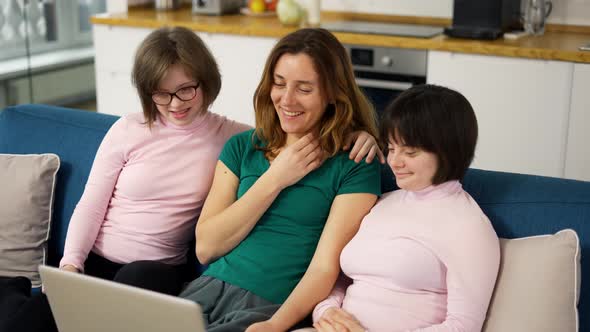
[[284, 199]]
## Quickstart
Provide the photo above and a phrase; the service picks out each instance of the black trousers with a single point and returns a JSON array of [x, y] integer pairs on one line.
[[21, 311]]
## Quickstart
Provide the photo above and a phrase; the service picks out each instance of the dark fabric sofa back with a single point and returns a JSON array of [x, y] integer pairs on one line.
[[74, 136], [518, 205]]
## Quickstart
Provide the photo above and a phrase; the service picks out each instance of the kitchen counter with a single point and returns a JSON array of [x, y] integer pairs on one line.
[[558, 43], [539, 106]]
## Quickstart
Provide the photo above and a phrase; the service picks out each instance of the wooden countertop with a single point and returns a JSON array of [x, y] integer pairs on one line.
[[558, 43]]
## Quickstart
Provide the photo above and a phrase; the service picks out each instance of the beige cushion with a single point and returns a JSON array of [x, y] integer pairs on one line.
[[538, 285], [26, 201]]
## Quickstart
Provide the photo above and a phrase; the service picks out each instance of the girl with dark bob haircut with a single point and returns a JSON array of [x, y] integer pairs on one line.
[[435, 119], [426, 257]]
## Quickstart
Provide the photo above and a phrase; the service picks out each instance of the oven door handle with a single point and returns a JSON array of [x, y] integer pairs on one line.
[[363, 82]]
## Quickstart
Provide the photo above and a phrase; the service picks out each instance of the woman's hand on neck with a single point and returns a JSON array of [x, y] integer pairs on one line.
[[294, 137], [296, 161]]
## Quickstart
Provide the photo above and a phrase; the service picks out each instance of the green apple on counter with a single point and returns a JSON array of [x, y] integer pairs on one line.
[[289, 12]]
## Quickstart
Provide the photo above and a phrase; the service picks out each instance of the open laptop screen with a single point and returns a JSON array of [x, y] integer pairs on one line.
[[84, 303]]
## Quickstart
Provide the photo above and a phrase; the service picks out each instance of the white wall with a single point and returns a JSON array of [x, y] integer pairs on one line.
[[572, 12]]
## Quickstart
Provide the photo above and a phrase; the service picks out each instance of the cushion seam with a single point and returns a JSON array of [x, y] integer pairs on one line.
[[71, 124]]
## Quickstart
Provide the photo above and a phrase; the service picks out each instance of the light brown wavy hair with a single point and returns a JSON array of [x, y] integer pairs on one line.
[[163, 48], [348, 109]]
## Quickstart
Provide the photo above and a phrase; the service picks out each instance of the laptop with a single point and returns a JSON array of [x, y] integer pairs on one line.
[[83, 303]]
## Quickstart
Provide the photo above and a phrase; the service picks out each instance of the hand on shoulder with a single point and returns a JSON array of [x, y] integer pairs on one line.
[[365, 145]]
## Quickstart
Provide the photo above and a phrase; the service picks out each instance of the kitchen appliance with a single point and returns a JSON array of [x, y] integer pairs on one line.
[[535, 14], [216, 7], [484, 19], [406, 30], [383, 72]]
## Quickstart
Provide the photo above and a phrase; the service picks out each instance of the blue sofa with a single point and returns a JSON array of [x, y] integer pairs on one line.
[[518, 205]]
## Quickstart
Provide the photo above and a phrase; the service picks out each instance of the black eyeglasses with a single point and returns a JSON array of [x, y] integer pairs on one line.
[[185, 94]]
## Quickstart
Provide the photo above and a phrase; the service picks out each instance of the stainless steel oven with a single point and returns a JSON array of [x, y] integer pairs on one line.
[[383, 73]]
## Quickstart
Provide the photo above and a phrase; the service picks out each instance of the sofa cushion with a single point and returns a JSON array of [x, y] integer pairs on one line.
[[538, 285], [26, 201], [74, 136]]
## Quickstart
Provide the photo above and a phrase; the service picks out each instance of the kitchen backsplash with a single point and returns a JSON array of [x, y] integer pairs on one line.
[[572, 12], [433, 8]]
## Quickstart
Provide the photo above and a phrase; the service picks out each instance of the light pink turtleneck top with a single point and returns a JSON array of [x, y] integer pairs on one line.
[[146, 189], [421, 261]]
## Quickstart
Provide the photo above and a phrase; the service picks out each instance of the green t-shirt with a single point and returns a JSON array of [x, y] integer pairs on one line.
[[272, 259]]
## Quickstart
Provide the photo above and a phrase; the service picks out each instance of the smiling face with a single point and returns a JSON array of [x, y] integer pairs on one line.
[[413, 168], [178, 112], [297, 95]]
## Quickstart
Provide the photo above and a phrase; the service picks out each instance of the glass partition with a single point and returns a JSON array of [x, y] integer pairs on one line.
[[46, 53]]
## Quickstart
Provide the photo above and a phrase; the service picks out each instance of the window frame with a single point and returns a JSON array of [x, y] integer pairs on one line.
[[68, 29]]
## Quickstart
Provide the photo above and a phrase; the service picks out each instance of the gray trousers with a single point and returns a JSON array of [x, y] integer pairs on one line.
[[227, 308]]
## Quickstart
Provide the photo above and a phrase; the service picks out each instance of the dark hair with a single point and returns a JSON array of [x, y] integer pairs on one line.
[[348, 109], [435, 119], [163, 48]]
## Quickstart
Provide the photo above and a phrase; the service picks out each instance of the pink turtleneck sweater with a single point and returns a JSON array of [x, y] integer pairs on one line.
[[146, 189], [421, 261]]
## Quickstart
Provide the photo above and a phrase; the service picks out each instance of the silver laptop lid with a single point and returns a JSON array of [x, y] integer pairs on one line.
[[84, 303]]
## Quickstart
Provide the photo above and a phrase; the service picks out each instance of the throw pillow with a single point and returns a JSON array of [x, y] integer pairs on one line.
[[538, 285], [26, 206]]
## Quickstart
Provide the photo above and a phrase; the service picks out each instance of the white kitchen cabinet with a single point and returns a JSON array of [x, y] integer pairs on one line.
[[115, 49], [241, 62], [577, 161], [115, 94], [522, 107]]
